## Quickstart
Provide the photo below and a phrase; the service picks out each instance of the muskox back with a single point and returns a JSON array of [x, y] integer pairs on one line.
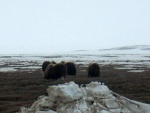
[[93, 70], [44, 65], [71, 68]]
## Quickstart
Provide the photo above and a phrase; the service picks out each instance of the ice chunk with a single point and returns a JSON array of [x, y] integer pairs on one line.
[[94, 98], [65, 93], [97, 90], [103, 111], [111, 104], [49, 111]]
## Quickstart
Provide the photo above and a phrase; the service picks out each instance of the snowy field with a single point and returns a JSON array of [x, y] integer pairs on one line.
[[133, 58], [124, 87]]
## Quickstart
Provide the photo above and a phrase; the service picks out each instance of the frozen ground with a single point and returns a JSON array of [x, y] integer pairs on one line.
[[22, 88], [133, 58]]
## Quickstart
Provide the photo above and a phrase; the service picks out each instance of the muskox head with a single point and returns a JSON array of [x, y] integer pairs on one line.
[[55, 71], [93, 70]]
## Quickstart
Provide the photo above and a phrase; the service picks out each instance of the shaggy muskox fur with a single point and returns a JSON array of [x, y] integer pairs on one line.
[[71, 68], [55, 71], [44, 65], [60, 70], [53, 62], [49, 72], [93, 70], [63, 62]]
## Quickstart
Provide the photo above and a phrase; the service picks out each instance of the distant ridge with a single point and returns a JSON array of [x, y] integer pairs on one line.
[[140, 47], [80, 50]]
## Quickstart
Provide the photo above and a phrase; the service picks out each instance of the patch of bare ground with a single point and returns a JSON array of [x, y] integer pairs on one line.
[[22, 88]]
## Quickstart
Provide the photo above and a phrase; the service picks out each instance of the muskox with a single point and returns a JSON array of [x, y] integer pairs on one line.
[[60, 70], [49, 71], [46, 63], [93, 70], [55, 71], [63, 62], [71, 68], [53, 62]]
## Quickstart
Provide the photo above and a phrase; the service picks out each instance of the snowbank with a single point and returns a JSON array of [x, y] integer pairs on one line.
[[90, 98]]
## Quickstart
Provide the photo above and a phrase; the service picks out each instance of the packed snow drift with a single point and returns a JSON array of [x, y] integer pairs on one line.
[[88, 98]]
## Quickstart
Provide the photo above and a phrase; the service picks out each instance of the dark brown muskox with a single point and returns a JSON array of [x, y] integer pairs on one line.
[[71, 68], [63, 62], [93, 70], [55, 71], [60, 70], [49, 71], [46, 63], [53, 62]]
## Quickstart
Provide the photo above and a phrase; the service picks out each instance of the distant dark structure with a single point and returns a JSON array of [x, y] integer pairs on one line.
[[44, 65], [55, 71], [93, 70]]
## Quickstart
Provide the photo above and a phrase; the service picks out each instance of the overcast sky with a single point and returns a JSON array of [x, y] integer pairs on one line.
[[46, 26]]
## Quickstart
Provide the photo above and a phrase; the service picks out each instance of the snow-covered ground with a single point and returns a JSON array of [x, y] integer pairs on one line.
[[92, 98], [132, 57]]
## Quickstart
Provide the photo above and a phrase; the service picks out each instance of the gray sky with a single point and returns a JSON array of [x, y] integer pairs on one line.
[[46, 26]]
